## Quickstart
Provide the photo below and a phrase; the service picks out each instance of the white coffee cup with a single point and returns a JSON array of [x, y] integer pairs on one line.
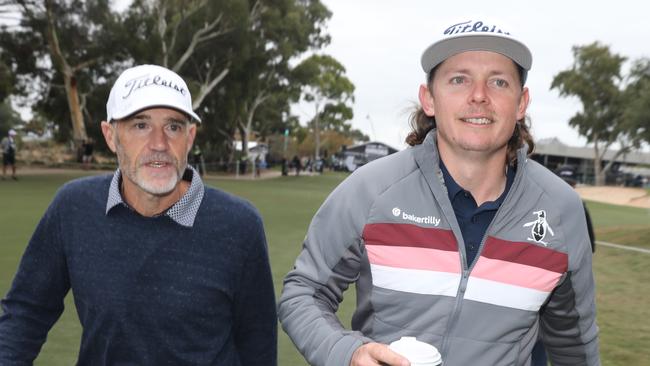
[[418, 353]]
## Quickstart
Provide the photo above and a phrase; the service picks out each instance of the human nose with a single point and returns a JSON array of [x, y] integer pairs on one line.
[[158, 139], [479, 93]]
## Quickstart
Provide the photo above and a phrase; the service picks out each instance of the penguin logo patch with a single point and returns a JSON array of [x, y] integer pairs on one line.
[[539, 228]]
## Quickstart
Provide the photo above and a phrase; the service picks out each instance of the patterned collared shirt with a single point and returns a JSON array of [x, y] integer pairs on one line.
[[182, 212]]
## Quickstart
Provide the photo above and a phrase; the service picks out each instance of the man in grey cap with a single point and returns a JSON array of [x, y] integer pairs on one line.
[[164, 271], [460, 241]]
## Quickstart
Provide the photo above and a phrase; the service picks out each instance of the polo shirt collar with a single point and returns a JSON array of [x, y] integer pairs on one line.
[[454, 189], [183, 212]]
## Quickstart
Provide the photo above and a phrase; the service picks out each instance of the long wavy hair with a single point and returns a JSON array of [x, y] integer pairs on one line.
[[421, 124]]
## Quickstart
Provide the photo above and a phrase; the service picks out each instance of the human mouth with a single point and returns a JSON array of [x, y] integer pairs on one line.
[[157, 164], [477, 121]]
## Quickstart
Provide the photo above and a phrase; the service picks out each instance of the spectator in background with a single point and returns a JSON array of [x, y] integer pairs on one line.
[[296, 164], [9, 154], [285, 170], [87, 157], [258, 166], [197, 159]]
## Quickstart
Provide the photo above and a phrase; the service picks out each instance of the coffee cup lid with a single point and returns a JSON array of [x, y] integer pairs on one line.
[[416, 351]]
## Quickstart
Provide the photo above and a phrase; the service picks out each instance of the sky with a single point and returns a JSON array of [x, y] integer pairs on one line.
[[380, 43]]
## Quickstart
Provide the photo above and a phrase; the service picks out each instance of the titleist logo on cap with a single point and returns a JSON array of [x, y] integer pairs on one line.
[[473, 27], [145, 80]]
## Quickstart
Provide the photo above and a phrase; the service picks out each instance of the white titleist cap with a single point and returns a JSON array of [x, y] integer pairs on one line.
[[148, 86], [476, 35], [12, 132]]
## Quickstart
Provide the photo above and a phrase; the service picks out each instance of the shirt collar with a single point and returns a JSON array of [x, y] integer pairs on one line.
[[454, 189], [182, 212]]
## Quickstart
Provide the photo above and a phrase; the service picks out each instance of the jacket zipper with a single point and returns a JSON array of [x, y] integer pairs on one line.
[[462, 287]]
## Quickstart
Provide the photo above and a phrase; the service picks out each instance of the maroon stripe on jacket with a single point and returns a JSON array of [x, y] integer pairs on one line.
[[526, 253], [408, 235]]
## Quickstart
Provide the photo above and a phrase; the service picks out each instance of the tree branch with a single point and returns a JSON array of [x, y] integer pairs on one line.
[[162, 29], [84, 64], [207, 87], [202, 35], [53, 43]]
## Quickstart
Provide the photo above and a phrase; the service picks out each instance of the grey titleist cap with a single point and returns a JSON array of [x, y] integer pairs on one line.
[[476, 35]]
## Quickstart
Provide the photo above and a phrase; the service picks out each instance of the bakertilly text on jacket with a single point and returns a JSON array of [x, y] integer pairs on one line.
[[391, 229]]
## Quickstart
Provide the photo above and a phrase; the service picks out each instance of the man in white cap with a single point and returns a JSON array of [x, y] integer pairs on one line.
[[460, 241], [163, 270], [9, 154]]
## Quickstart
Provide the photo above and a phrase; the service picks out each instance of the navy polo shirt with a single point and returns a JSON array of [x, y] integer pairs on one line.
[[473, 220]]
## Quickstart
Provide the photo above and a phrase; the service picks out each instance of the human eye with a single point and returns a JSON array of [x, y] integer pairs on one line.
[[457, 80], [500, 83], [139, 125], [175, 127]]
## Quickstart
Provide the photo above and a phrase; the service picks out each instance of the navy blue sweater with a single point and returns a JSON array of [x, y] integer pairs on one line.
[[148, 291]]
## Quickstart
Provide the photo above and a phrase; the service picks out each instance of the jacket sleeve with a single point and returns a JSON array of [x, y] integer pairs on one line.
[[35, 300], [328, 264], [255, 321], [568, 322]]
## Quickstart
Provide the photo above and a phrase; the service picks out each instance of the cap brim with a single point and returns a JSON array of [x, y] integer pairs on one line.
[[442, 50]]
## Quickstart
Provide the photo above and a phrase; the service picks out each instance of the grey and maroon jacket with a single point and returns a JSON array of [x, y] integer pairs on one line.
[[390, 229]]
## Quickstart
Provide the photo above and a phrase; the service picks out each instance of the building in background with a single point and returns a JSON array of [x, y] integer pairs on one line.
[[632, 169], [351, 158]]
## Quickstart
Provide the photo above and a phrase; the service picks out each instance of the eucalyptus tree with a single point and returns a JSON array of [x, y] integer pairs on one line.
[[234, 54], [637, 102], [59, 49], [325, 86], [283, 32], [595, 79]]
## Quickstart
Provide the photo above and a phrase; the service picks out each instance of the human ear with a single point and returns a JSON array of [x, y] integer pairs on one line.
[[426, 100], [109, 135], [523, 104]]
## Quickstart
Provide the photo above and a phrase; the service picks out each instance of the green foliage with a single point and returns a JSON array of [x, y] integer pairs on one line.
[[612, 111], [86, 30], [236, 57], [325, 85], [6, 80], [8, 119], [594, 78], [256, 42], [637, 96]]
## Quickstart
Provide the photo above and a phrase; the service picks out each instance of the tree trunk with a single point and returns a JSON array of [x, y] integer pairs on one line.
[[72, 92], [69, 79], [243, 134], [599, 175], [247, 128], [317, 133]]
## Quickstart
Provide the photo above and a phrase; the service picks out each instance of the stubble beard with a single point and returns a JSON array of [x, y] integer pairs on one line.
[[134, 173]]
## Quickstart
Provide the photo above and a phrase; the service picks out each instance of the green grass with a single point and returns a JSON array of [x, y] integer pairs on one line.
[[287, 205], [620, 224]]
